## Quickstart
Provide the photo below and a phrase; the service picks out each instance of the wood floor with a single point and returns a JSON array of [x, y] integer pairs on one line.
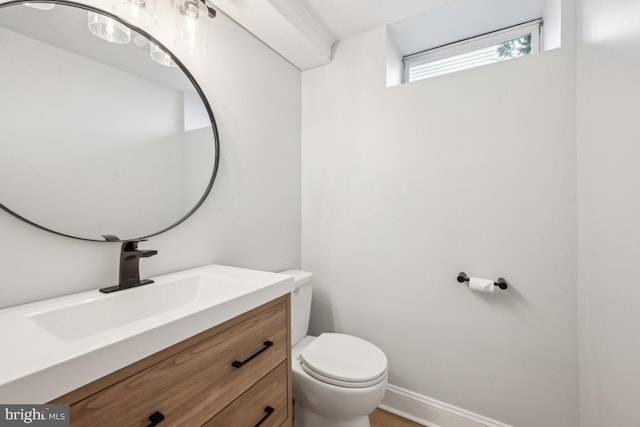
[[381, 418]]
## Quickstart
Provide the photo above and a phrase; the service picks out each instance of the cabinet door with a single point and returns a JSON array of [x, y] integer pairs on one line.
[[264, 404], [192, 386]]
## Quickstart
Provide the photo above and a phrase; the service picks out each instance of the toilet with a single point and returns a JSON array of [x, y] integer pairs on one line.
[[338, 379]]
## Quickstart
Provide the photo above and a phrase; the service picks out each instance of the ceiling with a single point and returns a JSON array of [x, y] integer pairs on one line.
[[304, 31], [414, 25], [345, 18]]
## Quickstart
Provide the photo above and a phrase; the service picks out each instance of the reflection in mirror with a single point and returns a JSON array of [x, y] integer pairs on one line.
[[97, 138]]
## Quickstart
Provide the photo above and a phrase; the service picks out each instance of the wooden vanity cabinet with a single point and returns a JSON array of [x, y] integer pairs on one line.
[[235, 374]]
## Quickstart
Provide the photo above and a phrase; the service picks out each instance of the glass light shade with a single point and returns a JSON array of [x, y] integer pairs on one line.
[[160, 56], [141, 13], [191, 26], [108, 29], [40, 6], [141, 41]]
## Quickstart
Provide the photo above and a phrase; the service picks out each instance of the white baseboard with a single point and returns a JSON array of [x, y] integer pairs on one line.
[[431, 412]]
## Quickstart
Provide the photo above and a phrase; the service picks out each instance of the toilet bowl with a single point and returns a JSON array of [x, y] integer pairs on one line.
[[338, 379]]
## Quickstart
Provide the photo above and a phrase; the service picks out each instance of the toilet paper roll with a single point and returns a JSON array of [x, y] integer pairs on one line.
[[481, 285]]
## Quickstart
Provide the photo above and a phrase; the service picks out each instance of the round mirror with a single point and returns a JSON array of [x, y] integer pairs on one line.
[[104, 132]]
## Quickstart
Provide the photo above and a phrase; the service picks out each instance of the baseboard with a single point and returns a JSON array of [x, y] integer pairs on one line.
[[431, 412]]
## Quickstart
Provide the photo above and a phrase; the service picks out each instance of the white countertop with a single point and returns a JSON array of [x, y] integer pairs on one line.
[[54, 346]]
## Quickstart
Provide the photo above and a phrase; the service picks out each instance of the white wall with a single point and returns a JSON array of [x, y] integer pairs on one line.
[[404, 187], [252, 217], [552, 25], [609, 209]]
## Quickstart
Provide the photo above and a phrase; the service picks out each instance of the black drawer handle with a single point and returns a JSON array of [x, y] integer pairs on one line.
[[238, 364], [155, 418], [269, 410]]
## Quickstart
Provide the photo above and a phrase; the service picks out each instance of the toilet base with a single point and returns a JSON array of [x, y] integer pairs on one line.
[[306, 418]]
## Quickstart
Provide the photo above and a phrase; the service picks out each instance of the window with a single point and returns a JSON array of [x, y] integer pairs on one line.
[[509, 43]]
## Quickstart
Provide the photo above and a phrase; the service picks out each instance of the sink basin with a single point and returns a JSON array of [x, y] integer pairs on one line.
[[171, 297], [64, 343]]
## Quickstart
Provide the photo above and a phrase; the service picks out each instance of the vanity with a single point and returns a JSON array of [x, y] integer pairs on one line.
[[195, 383], [214, 350]]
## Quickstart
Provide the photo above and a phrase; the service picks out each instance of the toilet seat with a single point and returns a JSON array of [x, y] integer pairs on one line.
[[344, 361]]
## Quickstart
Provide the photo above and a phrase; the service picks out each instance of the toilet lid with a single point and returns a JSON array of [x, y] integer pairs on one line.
[[344, 360]]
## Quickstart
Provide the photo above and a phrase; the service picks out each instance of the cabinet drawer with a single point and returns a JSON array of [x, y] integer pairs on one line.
[[195, 384], [266, 401]]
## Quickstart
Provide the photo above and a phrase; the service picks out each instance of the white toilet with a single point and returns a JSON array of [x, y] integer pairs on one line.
[[338, 379]]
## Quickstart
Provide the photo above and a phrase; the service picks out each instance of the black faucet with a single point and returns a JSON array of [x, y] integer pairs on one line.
[[130, 266]]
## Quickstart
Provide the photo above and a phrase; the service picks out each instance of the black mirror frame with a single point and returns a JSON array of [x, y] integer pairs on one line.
[[193, 82]]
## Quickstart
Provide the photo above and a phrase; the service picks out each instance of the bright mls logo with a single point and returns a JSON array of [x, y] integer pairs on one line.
[[34, 415]]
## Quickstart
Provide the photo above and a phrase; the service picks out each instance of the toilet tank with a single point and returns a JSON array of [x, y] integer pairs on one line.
[[300, 304]]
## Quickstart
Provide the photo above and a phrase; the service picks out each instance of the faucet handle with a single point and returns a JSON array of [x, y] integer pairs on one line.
[[132, 245], [146, 253]]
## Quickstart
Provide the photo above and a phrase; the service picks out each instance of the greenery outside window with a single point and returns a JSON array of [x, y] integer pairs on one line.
[[509, 43]]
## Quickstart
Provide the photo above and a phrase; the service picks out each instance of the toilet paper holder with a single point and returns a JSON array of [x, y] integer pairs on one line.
[[501, 283]]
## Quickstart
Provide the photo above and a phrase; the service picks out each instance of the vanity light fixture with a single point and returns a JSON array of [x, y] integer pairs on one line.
[[160, 56], [141, 13], [191, 25], [40, 6], [108, 29]]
